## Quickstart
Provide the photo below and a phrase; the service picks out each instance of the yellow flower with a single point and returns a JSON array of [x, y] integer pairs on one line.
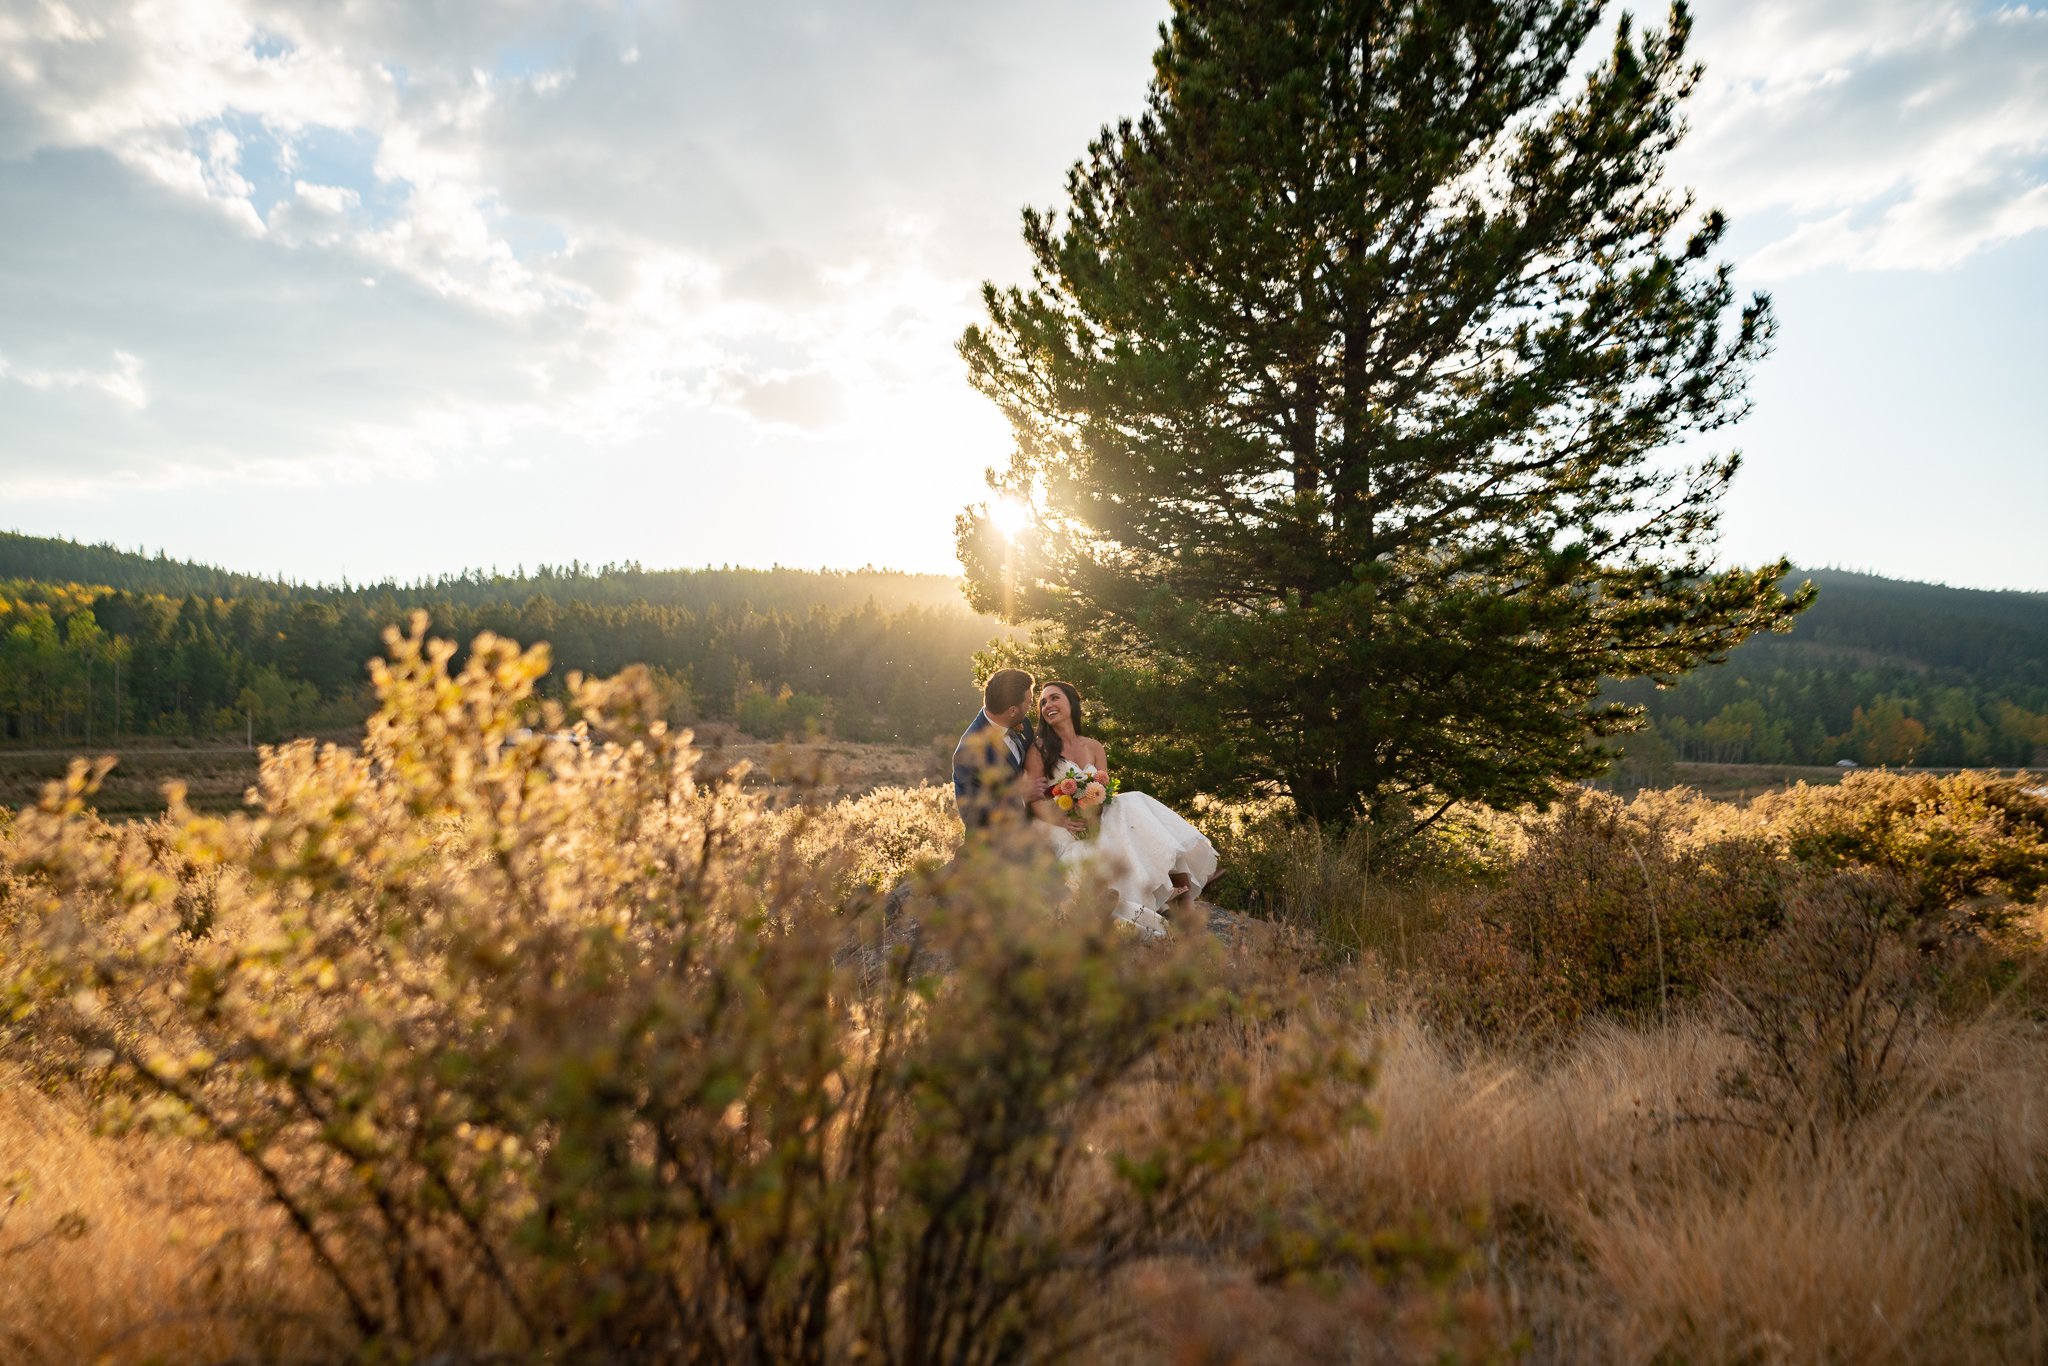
[[1064, 803]]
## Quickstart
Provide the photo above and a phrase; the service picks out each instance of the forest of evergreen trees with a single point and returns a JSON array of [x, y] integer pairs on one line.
[[154, 646], [1878, 671], [96, 641]]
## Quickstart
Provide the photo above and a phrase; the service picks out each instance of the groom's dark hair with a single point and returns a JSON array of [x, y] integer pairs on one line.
[[1005, 689]]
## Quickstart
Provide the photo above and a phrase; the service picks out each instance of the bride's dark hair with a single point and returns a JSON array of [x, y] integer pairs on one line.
[[1049, 744]]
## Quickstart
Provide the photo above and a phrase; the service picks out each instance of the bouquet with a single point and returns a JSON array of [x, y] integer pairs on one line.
[[1081, 788]]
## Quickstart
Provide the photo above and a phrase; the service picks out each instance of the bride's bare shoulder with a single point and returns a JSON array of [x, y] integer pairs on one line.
[[1097, 755]]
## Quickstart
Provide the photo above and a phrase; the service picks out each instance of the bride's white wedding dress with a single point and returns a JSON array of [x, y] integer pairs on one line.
[[1141, 844]]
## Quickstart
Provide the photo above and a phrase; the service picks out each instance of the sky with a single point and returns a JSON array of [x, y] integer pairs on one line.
[[392, 288]]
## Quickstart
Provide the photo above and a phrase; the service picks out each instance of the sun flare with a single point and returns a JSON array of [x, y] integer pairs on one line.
[[1010, 517]]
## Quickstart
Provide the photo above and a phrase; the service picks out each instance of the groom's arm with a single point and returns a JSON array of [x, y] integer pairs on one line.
[[1031, 780], [966, 784], [978, 774]]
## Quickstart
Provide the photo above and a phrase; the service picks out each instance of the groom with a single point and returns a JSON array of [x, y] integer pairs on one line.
[[988, 763]]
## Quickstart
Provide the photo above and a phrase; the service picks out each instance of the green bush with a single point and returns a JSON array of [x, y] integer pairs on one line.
[[783, 714], [1361, 888]]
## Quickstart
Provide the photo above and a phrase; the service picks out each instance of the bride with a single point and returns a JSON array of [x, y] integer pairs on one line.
[[1149, 855]]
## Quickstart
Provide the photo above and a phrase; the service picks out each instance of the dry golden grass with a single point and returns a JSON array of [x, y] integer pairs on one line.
[[1613, 1223], [818, 770], [215, 776], [136, 1248], [1625, 1219]]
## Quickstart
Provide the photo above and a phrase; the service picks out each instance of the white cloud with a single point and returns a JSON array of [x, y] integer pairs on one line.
[[262, 359], [365, 236], [417, 227], [803, 401], [121, 382], [1895, 134], [329, 199]]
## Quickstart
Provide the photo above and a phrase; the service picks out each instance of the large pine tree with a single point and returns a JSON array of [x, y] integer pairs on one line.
[[1339, 394]]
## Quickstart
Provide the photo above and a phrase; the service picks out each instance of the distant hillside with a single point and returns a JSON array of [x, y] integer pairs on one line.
[[47, 560], [1879, 671], [97, 641], [1963, 633]]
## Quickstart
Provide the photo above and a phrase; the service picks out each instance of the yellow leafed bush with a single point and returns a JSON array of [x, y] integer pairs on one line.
[[536, 1048], [1970, 840]]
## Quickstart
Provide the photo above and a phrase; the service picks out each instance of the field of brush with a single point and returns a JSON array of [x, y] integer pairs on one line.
[[467, 1044], [217, 774]]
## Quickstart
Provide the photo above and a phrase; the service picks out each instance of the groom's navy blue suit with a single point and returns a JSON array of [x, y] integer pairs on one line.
[[987, 770]]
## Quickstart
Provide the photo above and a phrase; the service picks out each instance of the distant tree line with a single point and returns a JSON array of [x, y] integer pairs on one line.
[[1752, 713], [82, 661], [50, 560], [1879, 672]]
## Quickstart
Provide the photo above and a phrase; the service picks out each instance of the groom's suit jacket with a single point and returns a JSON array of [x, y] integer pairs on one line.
[[987, 764]]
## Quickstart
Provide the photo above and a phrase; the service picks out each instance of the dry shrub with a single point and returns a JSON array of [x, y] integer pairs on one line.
[[1829, 1013], [1358, 889], [1968, 853], [880, 838], [1605, 909], [1317, 880], [1249, 837], [1478, 981], [1972, 841], [532, 1048], [1609, 909]]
